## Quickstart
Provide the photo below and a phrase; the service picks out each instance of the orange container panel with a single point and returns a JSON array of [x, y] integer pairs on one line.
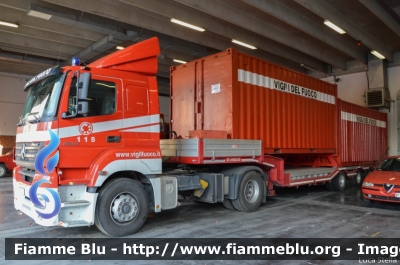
[[363, 134], [253, 99]]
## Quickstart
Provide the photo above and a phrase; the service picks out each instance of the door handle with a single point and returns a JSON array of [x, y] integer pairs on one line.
[[113, 139]]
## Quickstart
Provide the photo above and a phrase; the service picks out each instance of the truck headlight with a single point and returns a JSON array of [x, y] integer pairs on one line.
[[368, 184]]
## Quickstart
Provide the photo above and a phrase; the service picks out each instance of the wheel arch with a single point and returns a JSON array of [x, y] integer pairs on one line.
[[235, 175], [134, 175]]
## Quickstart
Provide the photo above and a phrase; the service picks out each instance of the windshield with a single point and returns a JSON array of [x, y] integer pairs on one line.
[[390, 164], [43, 98]]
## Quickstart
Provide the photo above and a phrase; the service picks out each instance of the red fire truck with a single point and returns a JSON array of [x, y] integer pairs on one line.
[[88, 148]]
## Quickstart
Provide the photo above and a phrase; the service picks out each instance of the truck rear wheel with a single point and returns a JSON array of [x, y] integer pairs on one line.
[[3, 170], [339, 182], [250, 192], [122, 207], [228, 204]]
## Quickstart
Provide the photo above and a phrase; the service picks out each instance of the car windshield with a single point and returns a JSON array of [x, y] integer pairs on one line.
[[42, 99], [390, 164]]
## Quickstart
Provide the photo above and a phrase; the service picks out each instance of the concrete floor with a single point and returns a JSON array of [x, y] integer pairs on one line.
[[304, 212]]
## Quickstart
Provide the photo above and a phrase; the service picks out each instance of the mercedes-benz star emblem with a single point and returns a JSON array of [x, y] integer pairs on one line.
[[23, 151]]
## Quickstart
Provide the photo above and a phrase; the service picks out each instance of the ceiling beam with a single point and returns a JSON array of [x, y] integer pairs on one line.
[[42, 48], [162, 24], [223, 11], [26, 58], [33, 23], [325, 11], [283, 12], [220, 27], [378, 10]]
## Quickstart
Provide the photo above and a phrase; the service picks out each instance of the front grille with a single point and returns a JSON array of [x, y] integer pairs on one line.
[[386, 198], [25, 153]]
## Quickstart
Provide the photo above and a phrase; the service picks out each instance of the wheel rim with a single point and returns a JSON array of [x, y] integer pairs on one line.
[[342, 181], [358, 178], [124, 208], [2, 171], [252, 191]]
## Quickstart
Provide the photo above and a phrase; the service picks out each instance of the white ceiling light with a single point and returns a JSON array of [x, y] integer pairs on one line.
[[333, 26], [8, 24], [179, 61], [187, 24], [34, 13], [377, 54], [119, 48], [244, 44]]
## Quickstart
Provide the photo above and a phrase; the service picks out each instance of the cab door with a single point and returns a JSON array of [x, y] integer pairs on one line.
[[86, 138]]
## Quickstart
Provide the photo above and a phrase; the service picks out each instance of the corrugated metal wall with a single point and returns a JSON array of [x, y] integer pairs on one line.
[[363, 134], [253, 99]]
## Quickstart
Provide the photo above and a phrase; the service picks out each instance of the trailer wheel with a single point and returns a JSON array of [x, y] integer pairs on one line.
[[122, 207], [339, 182], [250, 192], [356, 180], [228, 205], [328, 185], [3, 170]]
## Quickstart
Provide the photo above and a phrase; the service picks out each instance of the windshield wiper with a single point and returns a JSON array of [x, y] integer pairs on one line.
[[37, 119]]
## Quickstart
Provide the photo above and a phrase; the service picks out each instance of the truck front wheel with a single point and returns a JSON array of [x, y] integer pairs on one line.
[[122, 207], [251, 192]]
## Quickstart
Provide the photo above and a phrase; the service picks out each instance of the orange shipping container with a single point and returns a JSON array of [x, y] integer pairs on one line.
[[363, 135], [253, 99]]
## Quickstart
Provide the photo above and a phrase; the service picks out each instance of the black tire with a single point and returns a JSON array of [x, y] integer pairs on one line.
[[251, 192], [228, 204], [328, 185], [134, 207], [356, 180], [339, 182], [3, 170]]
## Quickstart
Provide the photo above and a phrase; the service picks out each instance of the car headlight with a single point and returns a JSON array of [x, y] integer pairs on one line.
[[368, 184]]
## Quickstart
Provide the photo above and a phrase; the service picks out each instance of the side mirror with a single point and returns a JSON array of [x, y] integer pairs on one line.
[[82, 88]]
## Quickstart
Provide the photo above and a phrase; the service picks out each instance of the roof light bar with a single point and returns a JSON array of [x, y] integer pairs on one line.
[[244, 44], [119, 48], [187, 25], [377, 54], [334, 27]]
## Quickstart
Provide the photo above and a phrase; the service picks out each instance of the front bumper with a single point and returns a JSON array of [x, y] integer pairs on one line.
[[77, 205], [379, 194], [23, 203]]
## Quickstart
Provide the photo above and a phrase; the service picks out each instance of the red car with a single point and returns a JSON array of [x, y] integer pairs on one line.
[[383, 184], [6, 163]]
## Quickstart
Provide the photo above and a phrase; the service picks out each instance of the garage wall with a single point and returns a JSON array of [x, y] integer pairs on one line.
[[164, 108], [351, 88], [12, 99]]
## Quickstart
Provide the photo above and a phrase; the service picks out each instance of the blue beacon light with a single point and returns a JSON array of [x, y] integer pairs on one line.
[[75, 61]]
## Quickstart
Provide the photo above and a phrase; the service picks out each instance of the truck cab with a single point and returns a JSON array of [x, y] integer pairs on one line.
[[83, 127]]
